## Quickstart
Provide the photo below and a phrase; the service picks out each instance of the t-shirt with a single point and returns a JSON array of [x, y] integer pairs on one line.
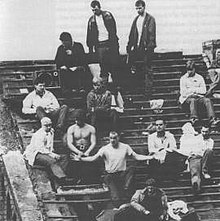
[[140, 21], [103, 33], [115, 158]]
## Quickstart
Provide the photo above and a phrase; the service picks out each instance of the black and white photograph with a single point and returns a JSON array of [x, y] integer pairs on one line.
[[109, 110]]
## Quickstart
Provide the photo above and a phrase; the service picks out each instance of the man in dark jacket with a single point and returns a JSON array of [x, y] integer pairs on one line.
[[102, 38], [70, 60], [142, 42]]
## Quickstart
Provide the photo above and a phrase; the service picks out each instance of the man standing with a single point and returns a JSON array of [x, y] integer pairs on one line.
[[44, 104], [142, 42], [41, 152], [81, 140], [117, 176], [70, 60], [192, 91], [102, 38]]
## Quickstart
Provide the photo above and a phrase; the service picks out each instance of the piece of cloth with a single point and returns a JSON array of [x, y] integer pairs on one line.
[[191, 85], [48, 101], [176, 208], [41, 142], [115, 158], [102, 31], [156, 105]]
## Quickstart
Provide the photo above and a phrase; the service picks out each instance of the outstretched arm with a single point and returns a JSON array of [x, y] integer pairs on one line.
[[91, 158]]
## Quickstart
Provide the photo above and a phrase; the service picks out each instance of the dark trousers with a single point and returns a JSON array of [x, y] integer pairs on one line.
[[56, 168], [130, 214], [108, 56], [57, 116], [100, 115], [120, 185], [199, 165], [73, 79], [146, 57], [85, 172], [195, 103]]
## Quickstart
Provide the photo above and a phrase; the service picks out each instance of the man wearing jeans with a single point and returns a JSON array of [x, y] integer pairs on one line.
[[117, 176], [192, 94], [141, 43]]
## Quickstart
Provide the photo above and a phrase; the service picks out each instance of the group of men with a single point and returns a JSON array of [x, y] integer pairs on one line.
[[70, 59]]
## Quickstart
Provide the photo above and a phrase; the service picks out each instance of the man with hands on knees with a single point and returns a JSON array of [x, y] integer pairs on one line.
[[118, 178], [81, 140]]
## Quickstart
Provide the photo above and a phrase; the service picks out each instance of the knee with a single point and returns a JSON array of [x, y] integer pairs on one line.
[[207, 100], [64, 107], [39, 108]]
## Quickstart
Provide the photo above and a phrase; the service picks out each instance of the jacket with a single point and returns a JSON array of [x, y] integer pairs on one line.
[[148, 35], [92, 30]]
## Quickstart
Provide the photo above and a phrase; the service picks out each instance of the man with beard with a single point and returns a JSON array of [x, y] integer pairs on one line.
[[148, 204]]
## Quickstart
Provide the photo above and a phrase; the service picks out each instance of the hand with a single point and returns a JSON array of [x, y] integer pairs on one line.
[[86, 154], [68, 52], [73, 68], [55, 156], [63, 68], [146, 212]]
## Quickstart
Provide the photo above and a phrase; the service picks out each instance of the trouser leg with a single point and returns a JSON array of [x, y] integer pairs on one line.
[[192, 102], [59, 116], [114, 116], [208, 105], [51, 164], [40, 112], [206, 160], [195, 170]]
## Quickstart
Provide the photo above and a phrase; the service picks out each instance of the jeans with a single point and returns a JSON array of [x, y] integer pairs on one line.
[[58, 115], [194, 104]]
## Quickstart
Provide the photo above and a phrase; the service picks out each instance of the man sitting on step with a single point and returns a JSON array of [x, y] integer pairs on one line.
[[41, 152], [44, 104], [192, 94], [199, 150]]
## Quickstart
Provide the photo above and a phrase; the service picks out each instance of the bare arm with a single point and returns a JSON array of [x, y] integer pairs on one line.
[[92, 141], [91, 158], [141, 157]]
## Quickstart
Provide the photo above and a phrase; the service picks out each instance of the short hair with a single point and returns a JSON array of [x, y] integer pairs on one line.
[[160, 118], [65, 36], [140, 2], [45, 121], [39, 80], [150, 182], [205, 125], [80, 114], [190, 65], [114, 133], [95, 3]]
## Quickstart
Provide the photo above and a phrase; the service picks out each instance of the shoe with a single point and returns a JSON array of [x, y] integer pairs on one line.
[[206, 176], [82, 91], [133, 70]]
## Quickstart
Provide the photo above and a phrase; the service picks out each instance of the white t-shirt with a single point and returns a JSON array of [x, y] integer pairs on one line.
[[139, 24], [103, 33], [115, 158]]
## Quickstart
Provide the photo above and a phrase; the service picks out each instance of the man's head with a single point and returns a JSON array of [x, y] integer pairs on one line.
[[39, 85], [114, 139], [205, 131], [160, 125], [191, 68], [140, 7], [97, 84], [66, 39], [96, 7], [80, 117], [150, 186], [46, 124], [217, 54]]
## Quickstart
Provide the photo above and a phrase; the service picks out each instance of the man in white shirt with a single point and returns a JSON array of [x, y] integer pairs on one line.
[[102, 39], [192, 94], [41, 152], [141, 43], [199, 157], [117, 176], [44, 104]]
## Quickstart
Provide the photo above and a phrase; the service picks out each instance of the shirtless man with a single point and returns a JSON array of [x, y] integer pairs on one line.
[[81, 140]]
